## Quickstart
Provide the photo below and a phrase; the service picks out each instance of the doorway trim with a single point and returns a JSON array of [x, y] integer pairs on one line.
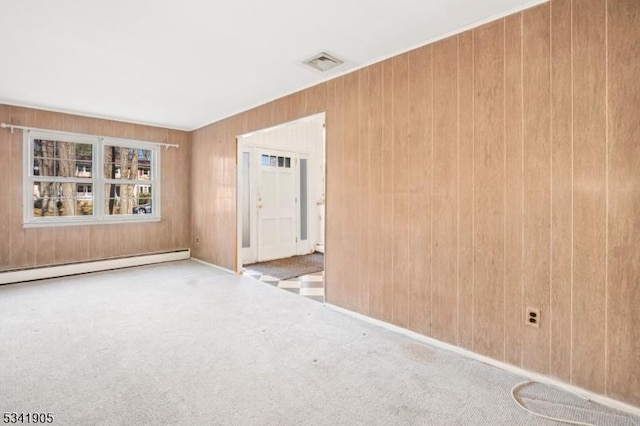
[[239, 193]]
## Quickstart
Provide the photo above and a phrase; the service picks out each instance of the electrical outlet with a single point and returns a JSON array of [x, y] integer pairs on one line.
[[533, 317], [197, 239]]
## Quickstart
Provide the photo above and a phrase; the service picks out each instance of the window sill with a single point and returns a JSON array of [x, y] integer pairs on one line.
[[109, 221]]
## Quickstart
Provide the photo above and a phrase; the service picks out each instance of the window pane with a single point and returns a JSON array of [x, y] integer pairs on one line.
[[83, 159], [83, 169], [265, 160], [128, 199], [84, 206], [62, 159], [61, 199], [65, 168], [280, 161], [127, 163], [43, 158]]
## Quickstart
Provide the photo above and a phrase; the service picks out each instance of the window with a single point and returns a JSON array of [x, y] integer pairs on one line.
[[274, 161], [76, 179]]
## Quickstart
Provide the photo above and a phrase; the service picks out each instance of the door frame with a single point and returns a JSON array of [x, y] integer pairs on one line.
[[252, 199]]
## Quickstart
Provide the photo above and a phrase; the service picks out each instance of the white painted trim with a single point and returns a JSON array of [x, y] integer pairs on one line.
[[246, 144], [598, 398], [215, 266], [83, 268], [91, 221], [525, 5]]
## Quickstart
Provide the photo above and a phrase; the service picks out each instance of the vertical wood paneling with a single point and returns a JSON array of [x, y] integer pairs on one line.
[[465, 192], [214, 165], [351, 188], [400, 241], [445, 190], [336, 228], [513, 317], [198, 249], [5, 194], [96, 251], [66, 244], [316, 99], [331, 129], [227, 201], [589, 194], [536, 226], [333, 232], [376, 189], [364, 195], [256, 119], [297, 104], [233, 128], [419, 165], [183, 238], [387, 188], [45, 247], [623, 290], [280, 112], [561, 151], [489, 177]]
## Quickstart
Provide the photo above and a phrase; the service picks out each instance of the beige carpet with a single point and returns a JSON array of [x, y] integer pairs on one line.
[[186, 344]]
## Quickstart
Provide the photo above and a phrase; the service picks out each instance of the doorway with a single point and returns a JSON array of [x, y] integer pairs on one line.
[[281, 199]]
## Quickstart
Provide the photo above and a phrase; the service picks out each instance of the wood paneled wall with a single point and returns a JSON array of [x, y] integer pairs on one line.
[[467, 180], [30, 247]]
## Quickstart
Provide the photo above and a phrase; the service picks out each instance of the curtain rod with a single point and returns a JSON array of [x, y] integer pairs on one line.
[[101, 138]]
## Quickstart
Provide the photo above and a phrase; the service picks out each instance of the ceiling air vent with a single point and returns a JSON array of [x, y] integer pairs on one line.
[[323, 62]]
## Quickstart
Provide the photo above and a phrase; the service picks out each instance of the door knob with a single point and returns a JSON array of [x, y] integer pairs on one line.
[[259, 206]]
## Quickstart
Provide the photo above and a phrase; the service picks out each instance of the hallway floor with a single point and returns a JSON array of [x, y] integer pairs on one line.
[[310, 286]]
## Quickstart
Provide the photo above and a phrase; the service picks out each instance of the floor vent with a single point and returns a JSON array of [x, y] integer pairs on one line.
[[323, 62]]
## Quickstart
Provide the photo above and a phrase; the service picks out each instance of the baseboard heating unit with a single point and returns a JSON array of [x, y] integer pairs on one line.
[[41, 273]]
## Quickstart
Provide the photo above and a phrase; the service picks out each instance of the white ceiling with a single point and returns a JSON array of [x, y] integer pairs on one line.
[[186, 63]]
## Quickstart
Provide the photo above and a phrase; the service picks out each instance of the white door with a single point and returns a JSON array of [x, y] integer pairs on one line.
[[276, 203]]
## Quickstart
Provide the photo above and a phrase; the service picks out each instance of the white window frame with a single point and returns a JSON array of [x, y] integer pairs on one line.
[[98, 181]]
